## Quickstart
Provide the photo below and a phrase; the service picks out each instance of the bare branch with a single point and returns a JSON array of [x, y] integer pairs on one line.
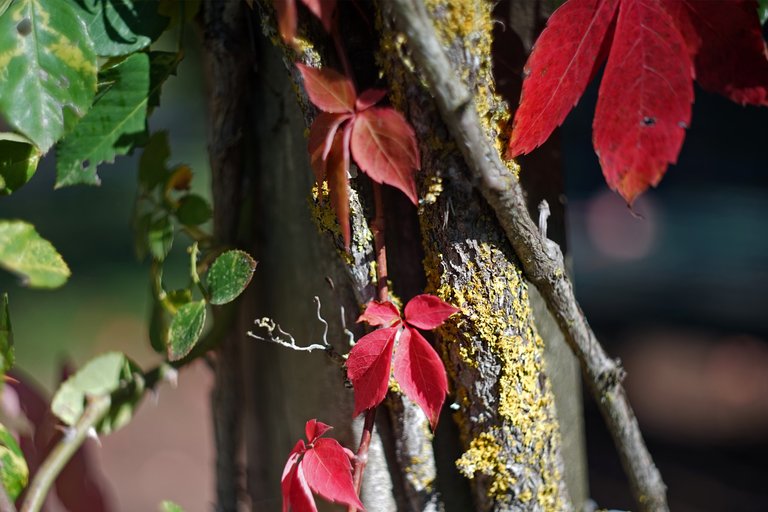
[[542, 262]]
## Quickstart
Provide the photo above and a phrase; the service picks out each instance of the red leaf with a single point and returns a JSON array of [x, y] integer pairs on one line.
[[368, 367], [559, 70], [644, 102], [726, 40], [380, 313], [427, 311], [314, 429], [328, 89], [329, 473], [286, 19], [321, 135], [323, 9], [296, 494], [420, 373], [384, 146], [337, 169], [300, 495], [369, 98]]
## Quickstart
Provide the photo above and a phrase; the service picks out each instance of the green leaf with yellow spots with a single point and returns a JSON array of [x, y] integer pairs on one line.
[[13, 468], [24, 252], [47, 69], [117, 122], [120, 27], [18, 161]]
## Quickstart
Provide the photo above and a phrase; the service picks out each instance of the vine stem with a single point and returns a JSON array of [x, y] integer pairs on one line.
[[377, 226], [63, 452]]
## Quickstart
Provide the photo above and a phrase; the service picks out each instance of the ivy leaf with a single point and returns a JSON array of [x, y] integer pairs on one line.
[[23, 251], [229, 275], [118, 120], [193, 210], [725, 38], [7, 355], [559, 69], [384, 146], [48, 69], [368, 367], [645, 98], [428, 312], [314, 429], [380, 313], [328, 89], [123, 26], [14, 472], [329, 473], [186, 327], [18, 161], [420, 373]]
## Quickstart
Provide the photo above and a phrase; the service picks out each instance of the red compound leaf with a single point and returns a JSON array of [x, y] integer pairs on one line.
[[428, 312], [420, 373]]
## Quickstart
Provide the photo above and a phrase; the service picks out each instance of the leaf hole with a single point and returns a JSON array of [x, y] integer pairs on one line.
[[24, 27], [86, 163], [649, 121]]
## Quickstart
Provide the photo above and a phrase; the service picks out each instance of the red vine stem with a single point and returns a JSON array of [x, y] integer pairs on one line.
[[377, 226]]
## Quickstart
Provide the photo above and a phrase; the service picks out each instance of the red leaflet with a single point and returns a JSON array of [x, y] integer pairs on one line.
[[428, 312], [559, 70], [726, 40], [369, 98], [321, 135], [644, 102], [328, 89], [418, 369], [368, 367], [380, 313], [329, 472], [420, 373], [322, 466], [384, 146], [645, 98], [287, 18]]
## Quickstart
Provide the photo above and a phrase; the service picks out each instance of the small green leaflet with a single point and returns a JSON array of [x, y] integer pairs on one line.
[[117, 122], [122, 27], [24, 252], [229, 275], [18, 161], [13, 468], [193, 210], [47, 69], [6, 336], [186, 327], [169, 506]]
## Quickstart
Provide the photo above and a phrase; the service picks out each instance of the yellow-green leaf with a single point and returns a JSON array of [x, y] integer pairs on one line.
[[14, 473], [24, 252], [186, 328]]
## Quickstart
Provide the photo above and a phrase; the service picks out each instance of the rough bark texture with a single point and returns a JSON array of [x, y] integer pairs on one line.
[[494, 355]]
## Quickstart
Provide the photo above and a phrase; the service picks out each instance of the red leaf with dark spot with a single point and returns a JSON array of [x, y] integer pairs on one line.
[[559, 70], [420, 373], [329, 473], [328, 89], [726, 40], [368, 367], [323, 9], [427, 311], [645, 97], [337, 169], [384, 146], [380, 313], [321, 135], [369, 98]]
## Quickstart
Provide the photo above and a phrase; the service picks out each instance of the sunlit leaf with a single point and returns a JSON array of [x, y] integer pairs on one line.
[[24, 252], [13, 468], [186, 328], [229, 275]]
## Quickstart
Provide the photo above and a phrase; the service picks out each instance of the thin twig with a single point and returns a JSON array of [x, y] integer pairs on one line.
[[542, 265], [63, 452]]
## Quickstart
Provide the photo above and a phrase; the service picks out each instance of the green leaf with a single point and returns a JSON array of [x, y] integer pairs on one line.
[[47, 69], [229, 275], [115, 124], [186, 328], [7, 355], [108, 374], [153, 169], [120, 27], [14, 473], [159, 322], [160, 237], [18, 161], [24, 252], [169, 506], [163, 65], [193, 210]]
